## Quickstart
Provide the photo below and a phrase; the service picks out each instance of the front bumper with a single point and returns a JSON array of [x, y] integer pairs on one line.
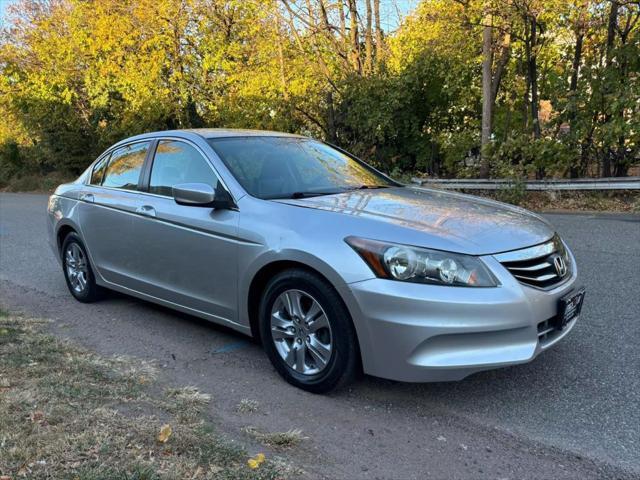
[[426, 333]]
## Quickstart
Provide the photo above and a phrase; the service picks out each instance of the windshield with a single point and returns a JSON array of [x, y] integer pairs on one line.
[[291, 167]]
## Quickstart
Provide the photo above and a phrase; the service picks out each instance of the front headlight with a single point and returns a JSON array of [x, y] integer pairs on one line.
[[422, 265]]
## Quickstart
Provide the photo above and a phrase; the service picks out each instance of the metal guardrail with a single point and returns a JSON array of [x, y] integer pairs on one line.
[[613, 183]]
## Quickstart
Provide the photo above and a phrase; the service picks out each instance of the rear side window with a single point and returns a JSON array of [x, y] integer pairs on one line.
[[178, 162], [125, 165], [98, 171]]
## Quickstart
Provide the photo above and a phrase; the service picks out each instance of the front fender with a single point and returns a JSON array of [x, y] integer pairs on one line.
[[310, 261]]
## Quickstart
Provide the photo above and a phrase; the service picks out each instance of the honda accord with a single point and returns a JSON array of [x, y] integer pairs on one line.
[[333, 266]]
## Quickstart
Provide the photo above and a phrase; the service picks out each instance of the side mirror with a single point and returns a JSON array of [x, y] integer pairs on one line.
[[202, 195]]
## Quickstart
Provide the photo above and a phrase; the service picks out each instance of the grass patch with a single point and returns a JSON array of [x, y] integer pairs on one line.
[[280, 440], [68, 413], [247, 406]]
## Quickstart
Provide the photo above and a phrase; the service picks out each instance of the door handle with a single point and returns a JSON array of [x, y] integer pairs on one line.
[[87, 197], [146, 210]]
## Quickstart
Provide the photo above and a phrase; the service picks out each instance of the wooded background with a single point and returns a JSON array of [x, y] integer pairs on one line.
[[461, 88]]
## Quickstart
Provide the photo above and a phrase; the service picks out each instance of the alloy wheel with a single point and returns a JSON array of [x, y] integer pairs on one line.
[[77, 267], [301, 332]]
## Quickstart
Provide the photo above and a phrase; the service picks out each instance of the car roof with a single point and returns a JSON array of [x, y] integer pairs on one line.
[[237, 132], [205, 133]]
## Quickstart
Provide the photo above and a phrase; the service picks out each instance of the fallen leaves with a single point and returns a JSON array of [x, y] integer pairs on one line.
[[37, 417], [165, 433], [256, 461]]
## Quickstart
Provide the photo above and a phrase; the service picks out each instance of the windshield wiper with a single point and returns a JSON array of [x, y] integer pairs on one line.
[[367, 187], [309, 194]]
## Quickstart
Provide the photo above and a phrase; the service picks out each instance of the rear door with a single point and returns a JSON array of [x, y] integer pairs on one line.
[[108, 207], [186, 254]]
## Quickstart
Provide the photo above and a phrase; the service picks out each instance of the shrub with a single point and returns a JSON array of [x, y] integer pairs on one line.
[[522, 156]]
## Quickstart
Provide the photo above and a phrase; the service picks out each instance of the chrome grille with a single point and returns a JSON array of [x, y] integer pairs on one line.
[[543, 266]]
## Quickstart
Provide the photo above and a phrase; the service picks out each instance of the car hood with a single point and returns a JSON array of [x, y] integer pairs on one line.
[[471, 224]]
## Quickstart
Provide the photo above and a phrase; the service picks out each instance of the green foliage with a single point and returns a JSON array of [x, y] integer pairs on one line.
[[393, 120], [522, 156], [514, 193], [11, 162]]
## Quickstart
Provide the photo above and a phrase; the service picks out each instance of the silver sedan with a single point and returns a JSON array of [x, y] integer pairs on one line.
[[333, 266]]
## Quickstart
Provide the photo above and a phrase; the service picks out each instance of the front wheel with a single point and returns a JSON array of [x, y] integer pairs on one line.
[[77, 270], [307, 332]]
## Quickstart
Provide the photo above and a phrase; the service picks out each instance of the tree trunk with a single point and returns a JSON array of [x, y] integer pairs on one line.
[[331, 119], [343, 21], [533, 78], [354, 36], [283, 76], [380, 51], [368, 40], [575, 67], [611, 36], [499, 73], [487, 61], [573, 88], [621, 165], [611, 31]]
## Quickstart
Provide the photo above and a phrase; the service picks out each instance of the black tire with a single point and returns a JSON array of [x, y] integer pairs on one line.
[[344, 363], [91, 291]]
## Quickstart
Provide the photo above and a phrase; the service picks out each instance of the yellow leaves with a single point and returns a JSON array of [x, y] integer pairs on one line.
[[256, 461], [165, 433]]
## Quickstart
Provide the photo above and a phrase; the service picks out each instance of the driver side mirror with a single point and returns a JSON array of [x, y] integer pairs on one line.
[[202, 195]]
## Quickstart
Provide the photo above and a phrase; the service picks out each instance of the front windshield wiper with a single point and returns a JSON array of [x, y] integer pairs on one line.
[[366, 187], [308, 194]]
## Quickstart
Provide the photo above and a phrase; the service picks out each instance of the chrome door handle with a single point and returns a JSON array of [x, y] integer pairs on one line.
[[87, 197], [146, 210]]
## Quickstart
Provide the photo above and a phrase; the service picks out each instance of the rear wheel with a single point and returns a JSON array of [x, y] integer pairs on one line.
[[77, 270], [307, 332]]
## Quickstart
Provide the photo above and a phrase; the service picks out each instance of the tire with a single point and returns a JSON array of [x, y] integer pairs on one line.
[[86, 291], [322, 369]]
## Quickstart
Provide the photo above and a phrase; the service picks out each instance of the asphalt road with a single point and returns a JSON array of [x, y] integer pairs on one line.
[[572, 413]]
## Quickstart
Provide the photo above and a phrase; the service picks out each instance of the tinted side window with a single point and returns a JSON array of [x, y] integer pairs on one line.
[[98, 171], [125, 165], [178, 162]]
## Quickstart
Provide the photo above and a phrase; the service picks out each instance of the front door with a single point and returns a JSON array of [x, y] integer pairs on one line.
[[186, 254]]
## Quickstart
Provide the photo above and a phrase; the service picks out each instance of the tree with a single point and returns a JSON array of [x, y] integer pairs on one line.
[[462, 87]]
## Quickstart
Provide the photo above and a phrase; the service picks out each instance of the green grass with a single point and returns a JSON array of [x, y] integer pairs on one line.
[[279, 440], [68, 413]]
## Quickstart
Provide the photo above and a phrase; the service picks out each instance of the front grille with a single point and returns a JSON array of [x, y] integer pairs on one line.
[[543, 266]]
